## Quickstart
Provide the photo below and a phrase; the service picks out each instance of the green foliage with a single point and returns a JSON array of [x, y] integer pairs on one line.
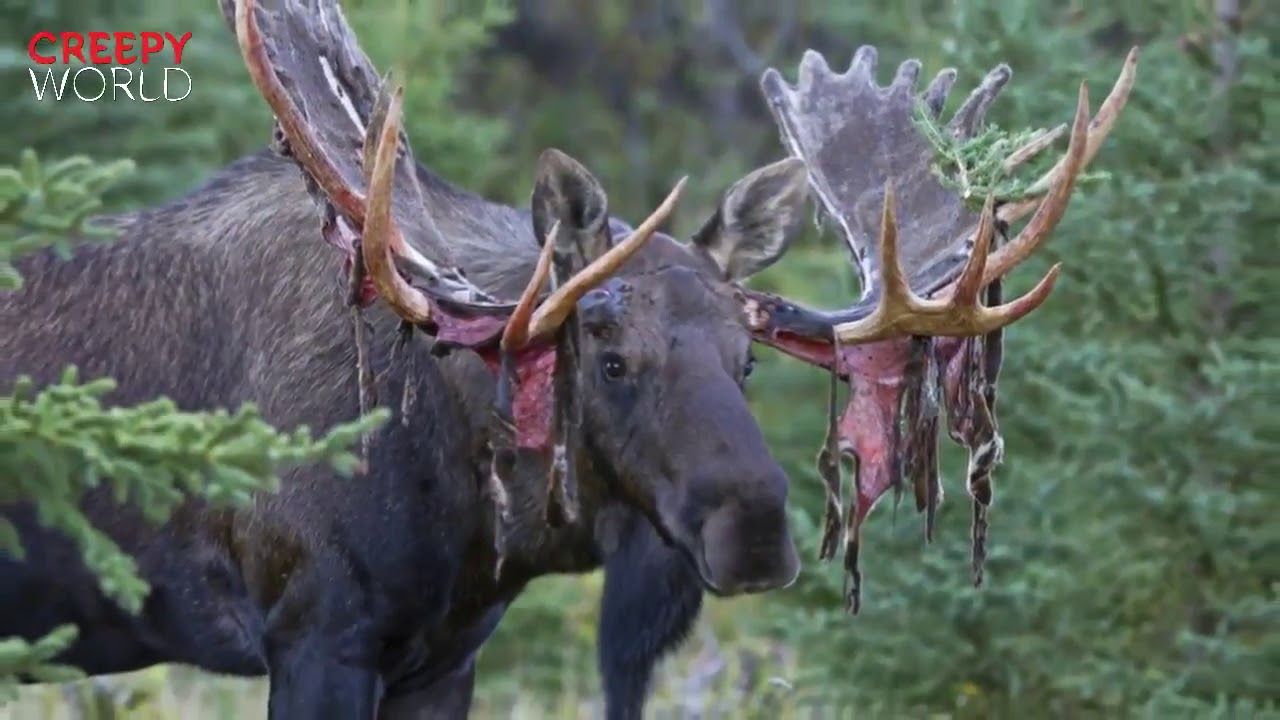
[[152, 455], [981, 166], [19, 657], [44, 207], [60, 442]]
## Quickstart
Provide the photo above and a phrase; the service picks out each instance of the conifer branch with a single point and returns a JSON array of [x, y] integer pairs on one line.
[[59, 442]]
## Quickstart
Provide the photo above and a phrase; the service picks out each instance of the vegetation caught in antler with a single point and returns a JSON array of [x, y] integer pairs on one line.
[[997, 162]]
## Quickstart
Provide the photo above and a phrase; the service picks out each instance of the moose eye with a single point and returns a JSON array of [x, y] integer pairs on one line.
[[613, 366]]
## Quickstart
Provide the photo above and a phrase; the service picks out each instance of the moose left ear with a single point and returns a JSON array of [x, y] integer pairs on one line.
[[757, 219], [565, 191]]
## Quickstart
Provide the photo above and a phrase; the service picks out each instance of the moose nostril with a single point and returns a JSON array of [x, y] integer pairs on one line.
[[772, 488]]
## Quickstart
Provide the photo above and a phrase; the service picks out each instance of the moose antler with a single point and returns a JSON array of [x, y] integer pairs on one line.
[[860, 145], [330, 103], [920, 320]]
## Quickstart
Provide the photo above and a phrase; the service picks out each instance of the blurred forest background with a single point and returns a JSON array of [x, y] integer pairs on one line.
[[1135, 549]]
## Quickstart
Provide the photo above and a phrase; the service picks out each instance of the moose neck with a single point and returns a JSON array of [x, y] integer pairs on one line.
[[533, 546]]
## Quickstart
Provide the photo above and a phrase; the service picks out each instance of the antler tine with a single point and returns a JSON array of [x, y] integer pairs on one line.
[[306, 147], [1034, 146], [1055, 202], [968, 119], [516, 334], [553, 312], [901, 312], [894, 288], [381, 236], [1098, 130]]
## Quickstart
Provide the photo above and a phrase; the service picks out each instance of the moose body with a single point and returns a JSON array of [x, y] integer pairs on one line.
[[346, 589]]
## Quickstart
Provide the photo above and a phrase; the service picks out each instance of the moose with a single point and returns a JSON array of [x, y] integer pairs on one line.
[[542, 368]]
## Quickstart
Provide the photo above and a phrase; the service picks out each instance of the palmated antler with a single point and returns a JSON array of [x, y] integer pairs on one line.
[[924, 260], [324, 92], [341, 123]]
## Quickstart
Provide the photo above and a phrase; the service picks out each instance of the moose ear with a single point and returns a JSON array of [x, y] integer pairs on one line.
[[757, 219], [566, 191]]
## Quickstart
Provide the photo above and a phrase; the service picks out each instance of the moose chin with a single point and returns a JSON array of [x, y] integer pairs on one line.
[[731, 564]]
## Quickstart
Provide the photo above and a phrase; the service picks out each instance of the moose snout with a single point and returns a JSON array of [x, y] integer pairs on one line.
[[747, 545]]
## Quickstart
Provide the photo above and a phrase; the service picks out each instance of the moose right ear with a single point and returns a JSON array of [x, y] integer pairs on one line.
[[567, 192], [757, 219]]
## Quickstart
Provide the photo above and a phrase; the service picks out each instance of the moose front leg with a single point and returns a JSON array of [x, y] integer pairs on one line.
[[320, 639], [310, 678], [448, 698]]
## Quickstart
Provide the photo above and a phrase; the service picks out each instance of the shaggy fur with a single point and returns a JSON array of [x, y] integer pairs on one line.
[[371, 595]]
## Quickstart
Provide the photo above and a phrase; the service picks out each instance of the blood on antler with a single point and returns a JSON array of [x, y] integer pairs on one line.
[[922, 319], [341, 123], [305, 61]]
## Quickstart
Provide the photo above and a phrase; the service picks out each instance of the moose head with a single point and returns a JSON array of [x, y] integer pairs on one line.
[[662, 351]]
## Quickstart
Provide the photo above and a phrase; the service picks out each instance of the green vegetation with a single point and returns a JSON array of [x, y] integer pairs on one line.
[[979, 166], [1132, 568]]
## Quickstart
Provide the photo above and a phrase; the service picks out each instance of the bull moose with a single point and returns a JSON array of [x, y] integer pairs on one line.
[[532, 431]]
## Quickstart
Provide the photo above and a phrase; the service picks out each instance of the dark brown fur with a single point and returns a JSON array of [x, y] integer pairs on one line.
[[350, 590]]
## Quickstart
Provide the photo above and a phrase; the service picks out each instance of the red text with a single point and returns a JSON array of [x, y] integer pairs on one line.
[[104, 48]]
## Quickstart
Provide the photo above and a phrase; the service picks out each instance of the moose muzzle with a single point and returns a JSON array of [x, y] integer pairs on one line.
[[747, 545]]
